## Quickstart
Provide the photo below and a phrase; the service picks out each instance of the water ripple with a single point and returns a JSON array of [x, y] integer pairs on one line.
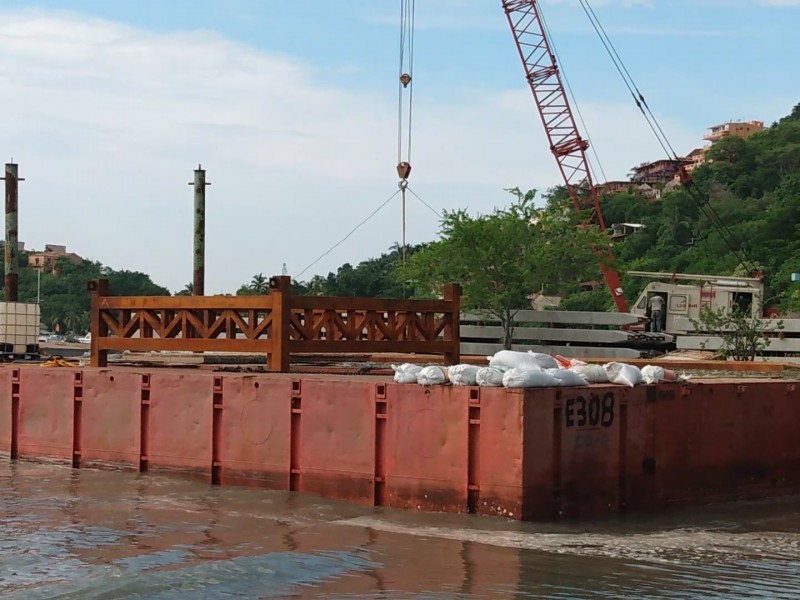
[[94, 535]]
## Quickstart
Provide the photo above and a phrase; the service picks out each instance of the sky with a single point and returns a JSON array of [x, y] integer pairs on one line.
[[291, 107]]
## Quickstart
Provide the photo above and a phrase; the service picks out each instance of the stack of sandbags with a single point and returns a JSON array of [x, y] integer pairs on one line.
[[513, 369], [531, 369]]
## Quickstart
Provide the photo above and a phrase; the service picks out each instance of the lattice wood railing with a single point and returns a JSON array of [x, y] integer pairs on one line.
[[278, 324]]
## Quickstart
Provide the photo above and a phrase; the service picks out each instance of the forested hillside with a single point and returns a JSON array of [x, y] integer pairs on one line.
[[65, 303], [753, 186]]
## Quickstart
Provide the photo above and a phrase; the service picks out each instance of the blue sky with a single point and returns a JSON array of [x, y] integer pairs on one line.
[[291, 106]]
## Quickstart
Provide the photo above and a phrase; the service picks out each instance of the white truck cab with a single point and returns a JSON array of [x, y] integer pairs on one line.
[[684, 301]]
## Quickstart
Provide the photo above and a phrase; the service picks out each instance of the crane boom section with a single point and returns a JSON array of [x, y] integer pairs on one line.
[[566, 143]]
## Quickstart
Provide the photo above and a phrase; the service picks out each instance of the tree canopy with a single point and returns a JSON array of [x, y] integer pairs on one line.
[[752, 186], [65, 303], [500, 258]]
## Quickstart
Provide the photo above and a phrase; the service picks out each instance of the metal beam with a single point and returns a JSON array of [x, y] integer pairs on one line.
[[565, 317], [563, 335], [715, 279]]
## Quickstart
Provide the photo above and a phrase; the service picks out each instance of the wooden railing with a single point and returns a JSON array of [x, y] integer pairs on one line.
[[277, 324]]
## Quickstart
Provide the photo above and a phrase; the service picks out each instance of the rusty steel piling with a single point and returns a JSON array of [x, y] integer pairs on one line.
[[12, 234], [199, 279]]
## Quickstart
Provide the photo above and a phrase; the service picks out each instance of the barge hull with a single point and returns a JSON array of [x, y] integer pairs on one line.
[[536, 454]]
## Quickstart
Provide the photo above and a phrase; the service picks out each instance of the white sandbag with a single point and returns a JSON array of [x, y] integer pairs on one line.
[[567, 378], [591, 373], [529, 378], [463, 374], [406, 373], [544, 360], [511, 359], [653, 374], [489, 377], [431, 375], [623, 374]]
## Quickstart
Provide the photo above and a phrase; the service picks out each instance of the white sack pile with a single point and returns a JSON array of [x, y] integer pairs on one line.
[[513, 369]]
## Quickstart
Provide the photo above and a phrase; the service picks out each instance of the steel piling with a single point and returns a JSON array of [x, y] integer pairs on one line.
[[199, 279], [12, 234]]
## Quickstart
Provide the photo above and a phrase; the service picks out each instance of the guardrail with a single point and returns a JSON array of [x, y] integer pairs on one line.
[[278, 324]]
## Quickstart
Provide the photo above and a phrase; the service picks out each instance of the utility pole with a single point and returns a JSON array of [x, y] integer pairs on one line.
[[199, 279], [12, 233]]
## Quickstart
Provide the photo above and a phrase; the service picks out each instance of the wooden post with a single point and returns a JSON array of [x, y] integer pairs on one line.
[[452, 293], [280, 290], [98, 328]]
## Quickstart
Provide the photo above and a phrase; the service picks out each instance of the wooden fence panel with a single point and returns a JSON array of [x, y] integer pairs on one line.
[[277, 324]]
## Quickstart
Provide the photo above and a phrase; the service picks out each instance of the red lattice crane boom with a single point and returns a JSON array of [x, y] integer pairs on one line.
[[566, 142]]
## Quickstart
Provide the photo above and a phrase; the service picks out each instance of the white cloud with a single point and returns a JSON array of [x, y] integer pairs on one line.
[[107, 123]]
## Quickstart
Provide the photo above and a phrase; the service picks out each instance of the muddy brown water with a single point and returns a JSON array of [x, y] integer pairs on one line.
[[101, 535]]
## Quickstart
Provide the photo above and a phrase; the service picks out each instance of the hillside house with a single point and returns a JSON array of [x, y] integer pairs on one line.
[[47, 259]]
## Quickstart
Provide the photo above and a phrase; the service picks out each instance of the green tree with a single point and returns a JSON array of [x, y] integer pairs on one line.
[[187, 290], [743, 336], [500, 258], [372, 278], [259, 284], [64, 299], [76, 320]]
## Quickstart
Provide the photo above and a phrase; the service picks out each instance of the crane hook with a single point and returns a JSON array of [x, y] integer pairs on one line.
[[403, 170], [405, 79]]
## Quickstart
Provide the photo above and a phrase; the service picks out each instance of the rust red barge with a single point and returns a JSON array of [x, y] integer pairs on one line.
[[525, 454]]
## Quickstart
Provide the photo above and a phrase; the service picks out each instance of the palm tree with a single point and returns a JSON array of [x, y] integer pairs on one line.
[[187, 290], [76, 320], [259, 284]]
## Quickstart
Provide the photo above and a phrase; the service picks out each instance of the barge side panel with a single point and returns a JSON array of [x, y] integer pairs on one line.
[[256, 414], [427, 451], [179, 435], [110, 427], [336, 445], [46, 408]]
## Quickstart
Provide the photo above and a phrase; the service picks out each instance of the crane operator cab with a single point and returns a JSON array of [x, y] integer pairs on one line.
[[683, 302]]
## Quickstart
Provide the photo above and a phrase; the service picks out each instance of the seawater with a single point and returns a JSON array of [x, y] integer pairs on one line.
[[105, 535]]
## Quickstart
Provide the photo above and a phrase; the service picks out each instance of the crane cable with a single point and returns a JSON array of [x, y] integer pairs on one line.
[[407, 18], [638, 97], [405, 84], [405, 79], [691, 187], [351, 232]]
